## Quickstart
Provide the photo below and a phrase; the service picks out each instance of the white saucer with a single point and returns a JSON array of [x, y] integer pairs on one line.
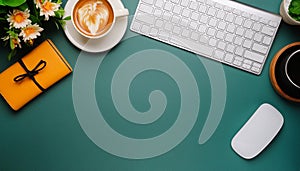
[[96, 45]]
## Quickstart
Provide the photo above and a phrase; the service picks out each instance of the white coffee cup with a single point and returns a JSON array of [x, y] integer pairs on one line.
[[94, 19]]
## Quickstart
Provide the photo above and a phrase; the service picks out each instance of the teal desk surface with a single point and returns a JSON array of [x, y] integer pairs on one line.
[[100, 117]]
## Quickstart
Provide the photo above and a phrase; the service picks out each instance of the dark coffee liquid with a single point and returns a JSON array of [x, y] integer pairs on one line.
[[293, 68]]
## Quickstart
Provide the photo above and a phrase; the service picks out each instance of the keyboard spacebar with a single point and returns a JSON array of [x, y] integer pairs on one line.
[[193, 46]]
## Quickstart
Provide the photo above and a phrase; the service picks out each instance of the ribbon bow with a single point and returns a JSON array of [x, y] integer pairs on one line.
[[30, 74]]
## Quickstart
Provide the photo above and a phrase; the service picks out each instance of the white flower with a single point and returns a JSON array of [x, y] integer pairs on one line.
[[48, 8], [19, 19], [38, 3], [31, 32]]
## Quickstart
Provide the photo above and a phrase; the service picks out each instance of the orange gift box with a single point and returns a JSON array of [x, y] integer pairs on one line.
[[33, 74]]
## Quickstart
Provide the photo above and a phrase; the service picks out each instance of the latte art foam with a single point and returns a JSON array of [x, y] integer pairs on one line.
[[93, 17]]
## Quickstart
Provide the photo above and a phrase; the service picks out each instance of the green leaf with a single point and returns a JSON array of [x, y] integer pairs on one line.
[[67, 18], [23, 7], [59, 13], [11, 44], [294, 9], [2, 3], [11, 54], [13, 3]]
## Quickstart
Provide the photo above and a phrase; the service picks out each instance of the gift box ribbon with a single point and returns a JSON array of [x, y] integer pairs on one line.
[[30, 74]]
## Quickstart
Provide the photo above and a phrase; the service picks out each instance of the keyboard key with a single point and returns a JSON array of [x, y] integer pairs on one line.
[[185, 3], [194, 36], [164, 35], [159, 23], [229, 37], [273, 23], [231, 28], [268, 30], [211, 31], [257, 65], [203, 39], [202, 28], [220, 35], [247, 43], [175, 1], [210, 3], [219, 6], [237, 12], [148, 1], [249, 34], [184, 22], [258, 37], [193, 5], [159, 3], [167, 16], [212, 42], [240, 31], [239, 20], [202, 8], [175, 19], [221, 45], [254, 56], [267, 40], [239, 51], [219, 54], [222, 25], [255, 17], [168, 27], [255, 69], [136, 26], [145, 29], [168, 6], [238, 41], [220, 14], [211, 11], [158, 13], [246, 66], [237, 62], [238, 58], [260, 48], [185, 33], [203, 19], [246, 61], [256, 26], [149, 19], [230, 48], [146, 8], [186, 13], [193, 25], [177, 9], [212, 22], [176, 30], [229, 58], [196, 47], [229, 17], [248, 24], [195, 16], [153, 32]]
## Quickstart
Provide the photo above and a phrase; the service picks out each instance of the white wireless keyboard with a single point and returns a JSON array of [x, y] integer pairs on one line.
[[223, 30]]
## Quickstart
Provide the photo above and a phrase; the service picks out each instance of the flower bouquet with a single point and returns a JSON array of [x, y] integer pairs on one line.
[[22, 21]]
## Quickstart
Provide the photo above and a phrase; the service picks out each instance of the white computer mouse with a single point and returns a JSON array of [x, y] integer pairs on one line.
[[257, 132]]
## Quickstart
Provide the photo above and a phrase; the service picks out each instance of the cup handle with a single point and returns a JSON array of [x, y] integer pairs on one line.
[[121, 12]]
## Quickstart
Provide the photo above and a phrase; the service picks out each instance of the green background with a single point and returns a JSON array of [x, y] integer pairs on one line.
[[46, 135]]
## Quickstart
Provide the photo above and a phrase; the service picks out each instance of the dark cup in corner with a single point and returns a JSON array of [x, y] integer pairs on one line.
[[287, 73]]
